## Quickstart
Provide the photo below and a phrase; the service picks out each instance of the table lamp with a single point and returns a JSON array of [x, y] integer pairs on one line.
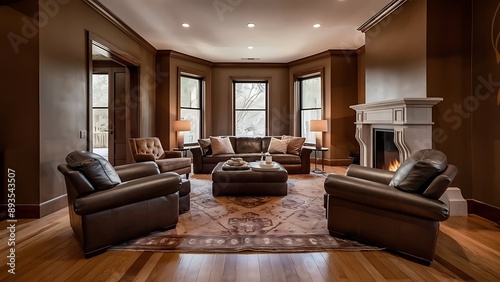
[[319, 126], [181, 126]]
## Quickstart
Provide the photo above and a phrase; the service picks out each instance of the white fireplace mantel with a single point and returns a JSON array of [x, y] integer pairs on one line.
[[410, 118]]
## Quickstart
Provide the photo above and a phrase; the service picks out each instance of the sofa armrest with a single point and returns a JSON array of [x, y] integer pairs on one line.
[[130, 192], [384, 197], [137, 170], [197, 159], [305, 159], [368, 173], [144, 157]]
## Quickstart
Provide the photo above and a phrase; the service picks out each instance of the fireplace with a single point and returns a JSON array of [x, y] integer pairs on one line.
[[385, 151], [407, 122]]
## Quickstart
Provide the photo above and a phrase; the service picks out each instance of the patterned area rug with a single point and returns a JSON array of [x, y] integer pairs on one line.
[[292, 223]]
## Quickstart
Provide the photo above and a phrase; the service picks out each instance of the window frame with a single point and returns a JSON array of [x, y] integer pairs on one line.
[[202, 81], [298, 78], [267, 82]]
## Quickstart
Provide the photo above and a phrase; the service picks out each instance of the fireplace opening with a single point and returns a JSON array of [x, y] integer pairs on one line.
[[385, 152]]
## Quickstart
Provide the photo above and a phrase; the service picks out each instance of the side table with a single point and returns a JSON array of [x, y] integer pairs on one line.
[[322, 150]]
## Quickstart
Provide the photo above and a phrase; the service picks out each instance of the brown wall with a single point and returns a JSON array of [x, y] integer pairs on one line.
[[361, 75], [19, 126], [54, 113], [396, 54], [485, 101], [344, 80], [448, 76]]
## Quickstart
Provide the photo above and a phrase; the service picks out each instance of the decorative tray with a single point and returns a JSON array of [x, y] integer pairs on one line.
[[262, 166], [235, 166]]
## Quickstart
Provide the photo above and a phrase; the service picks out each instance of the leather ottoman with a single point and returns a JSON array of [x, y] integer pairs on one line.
[[249, 182]]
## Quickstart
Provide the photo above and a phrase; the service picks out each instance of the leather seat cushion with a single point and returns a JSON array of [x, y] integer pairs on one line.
[[173, 164], [286, 158], [419, 170]]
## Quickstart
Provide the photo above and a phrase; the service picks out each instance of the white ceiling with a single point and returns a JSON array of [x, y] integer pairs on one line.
[[218, 29]]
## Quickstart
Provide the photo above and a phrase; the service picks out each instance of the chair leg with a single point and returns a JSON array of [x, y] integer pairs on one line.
[[187, 175]]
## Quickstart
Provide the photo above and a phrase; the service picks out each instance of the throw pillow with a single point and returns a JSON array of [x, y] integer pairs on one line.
[[221, 145], [277, 146], [294, 144], [419, 169], [100, 173], [205, 146]]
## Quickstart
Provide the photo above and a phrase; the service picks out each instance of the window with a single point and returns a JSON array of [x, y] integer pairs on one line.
[[190, 97], [310, 104], [250, 108]]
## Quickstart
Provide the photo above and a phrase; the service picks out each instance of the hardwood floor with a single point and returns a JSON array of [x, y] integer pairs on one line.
[[468, 249]]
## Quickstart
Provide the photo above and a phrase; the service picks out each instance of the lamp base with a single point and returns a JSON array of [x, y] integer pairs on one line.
[[180, 140], [319, 140]]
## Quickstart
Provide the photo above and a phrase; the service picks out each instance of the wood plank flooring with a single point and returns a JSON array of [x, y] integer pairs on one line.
[[468, 249]]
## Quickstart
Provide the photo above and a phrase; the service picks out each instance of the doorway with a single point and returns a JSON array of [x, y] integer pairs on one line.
[[113, 102]]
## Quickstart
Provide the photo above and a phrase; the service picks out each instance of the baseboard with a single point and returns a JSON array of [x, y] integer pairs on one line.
[[53, 205], [484, 210], [24, 211]]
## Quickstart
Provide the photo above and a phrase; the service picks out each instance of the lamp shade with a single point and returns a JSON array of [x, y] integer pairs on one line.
[[319, 125], [182, 125]]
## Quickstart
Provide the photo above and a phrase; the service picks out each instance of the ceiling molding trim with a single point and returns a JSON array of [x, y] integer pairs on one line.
[[315, 57], [380, 15], [107, 14], [189, 58], [250, 65], [361, 50]]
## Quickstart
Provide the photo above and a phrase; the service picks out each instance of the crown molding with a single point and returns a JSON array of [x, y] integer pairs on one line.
[[361, 50], [380, 15], [315, 57], [107, 14], [182, 56], [250, 65]]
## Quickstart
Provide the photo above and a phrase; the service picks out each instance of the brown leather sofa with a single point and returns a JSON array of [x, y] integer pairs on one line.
[[399, 211], [111, 205], [150, 149], [250, 149]]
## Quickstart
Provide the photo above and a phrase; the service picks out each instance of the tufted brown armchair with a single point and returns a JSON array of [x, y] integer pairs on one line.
[[150, 149]]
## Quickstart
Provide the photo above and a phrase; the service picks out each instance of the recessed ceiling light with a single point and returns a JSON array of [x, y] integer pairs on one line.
[[316, 25], [251, 25], [185, 25], [250, 47]]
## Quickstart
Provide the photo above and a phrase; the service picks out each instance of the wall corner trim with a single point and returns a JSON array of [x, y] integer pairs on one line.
[[107, 14], [380, 15]]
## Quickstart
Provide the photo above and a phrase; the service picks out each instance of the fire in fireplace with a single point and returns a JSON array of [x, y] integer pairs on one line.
[[385, 151]]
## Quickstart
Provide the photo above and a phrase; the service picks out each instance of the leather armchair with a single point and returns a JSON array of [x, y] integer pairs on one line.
[[380, 207], [139, 200], [150, 149]]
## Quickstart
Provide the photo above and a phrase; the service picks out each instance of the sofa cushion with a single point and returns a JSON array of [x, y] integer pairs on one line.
[[205, 146], [221, 145], [294, 144], [248, 145], [277, 146], [173, 164], [97, 170], [418, 170], [286, 159]]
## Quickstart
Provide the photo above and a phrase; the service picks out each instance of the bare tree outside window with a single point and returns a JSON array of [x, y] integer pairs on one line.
[[191, 107], [310, 105], [250, 108]]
